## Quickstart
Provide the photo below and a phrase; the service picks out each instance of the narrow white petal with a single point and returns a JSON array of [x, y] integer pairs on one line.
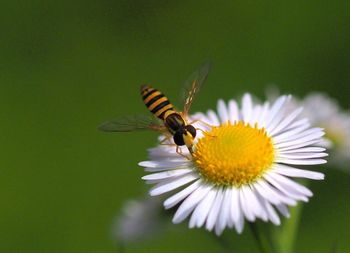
[[247, 107], [298, 123], [311, 137], [301, 161], [253, 203], [190, 203], [283, 209], [284, 123], [279, 137], [312, 133], [166, 174], [244, 202], [201, 211], [261, 120], [214, 210], [233, 111], [276, 107], [302, 155], [304, 150], [293, 172], [272, 194], [163, 165], [240, 223], [223, 112], [224, 212], [299, 145], [259, 205], [214, 120], [285, 188], [235, 206], [270, 211], [297, 187], [170, 185], [181, 195]]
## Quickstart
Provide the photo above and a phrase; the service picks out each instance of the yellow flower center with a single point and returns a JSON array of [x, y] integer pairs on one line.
[[234, 154]]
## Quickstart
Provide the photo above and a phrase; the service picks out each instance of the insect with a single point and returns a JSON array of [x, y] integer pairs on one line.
[[173, 123]]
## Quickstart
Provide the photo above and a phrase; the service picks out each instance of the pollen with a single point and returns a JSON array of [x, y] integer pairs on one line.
[[234, 154]]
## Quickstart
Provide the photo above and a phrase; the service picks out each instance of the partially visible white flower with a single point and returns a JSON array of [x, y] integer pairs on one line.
[[139, 220], [325, 112], [242, 167]]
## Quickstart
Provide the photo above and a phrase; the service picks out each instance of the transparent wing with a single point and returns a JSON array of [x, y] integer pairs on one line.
[[193, 85], [132, 123]]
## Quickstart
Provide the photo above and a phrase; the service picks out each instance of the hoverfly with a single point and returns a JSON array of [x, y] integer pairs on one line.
[[173, 123]]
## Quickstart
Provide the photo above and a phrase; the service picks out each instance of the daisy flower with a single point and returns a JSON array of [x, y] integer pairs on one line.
[[139, 220], [325, 112], [241, 166]]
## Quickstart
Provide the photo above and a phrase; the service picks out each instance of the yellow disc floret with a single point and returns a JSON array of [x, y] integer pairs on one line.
[[234, 154]]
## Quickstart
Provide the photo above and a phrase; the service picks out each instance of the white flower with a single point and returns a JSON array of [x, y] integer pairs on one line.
[[240, 168], [326, 113], [139, 220]]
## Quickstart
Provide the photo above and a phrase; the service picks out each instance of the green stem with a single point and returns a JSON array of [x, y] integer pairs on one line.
[[224, 243], [263, 243], [285, 236]]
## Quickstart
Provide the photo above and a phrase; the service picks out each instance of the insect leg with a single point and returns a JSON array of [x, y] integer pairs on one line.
[[179, 151], [201, 121]]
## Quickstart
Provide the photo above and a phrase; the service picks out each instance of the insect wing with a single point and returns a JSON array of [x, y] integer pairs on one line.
[[193, 85], [131, 123]]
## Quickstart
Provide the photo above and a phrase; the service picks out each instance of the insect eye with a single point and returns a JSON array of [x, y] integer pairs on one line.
[[178, 139], [192, 130]]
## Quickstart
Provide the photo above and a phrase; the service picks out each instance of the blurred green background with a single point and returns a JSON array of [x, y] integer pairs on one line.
[[66, 66]]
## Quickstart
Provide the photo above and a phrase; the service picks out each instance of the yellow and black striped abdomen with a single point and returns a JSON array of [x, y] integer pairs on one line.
[[155, 101]]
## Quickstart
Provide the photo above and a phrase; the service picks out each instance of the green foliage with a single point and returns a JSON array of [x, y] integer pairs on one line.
[[65, 67]]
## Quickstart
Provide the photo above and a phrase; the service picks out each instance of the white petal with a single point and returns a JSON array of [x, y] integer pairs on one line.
[[247, 107], [170, 184], [302, 155], [293, 172], [304, 150], [270, 211], [233, 111], [253, 203], [301, 161], [181, 195], [166, 174], [279, 137], [299, 145], [272, 194], [310, 137], [276, 107], [214, 210], [214, 120], [285, 188], [235, 206], [313, 133], [285, 122], [190, 203], [224, 215], [286, 181], [261, 120], [223, 112], [298, 123], [283, 209], [244, 202], [201, 211]]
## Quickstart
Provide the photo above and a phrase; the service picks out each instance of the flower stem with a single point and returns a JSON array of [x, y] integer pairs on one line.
[[285, 236], [262, 241], [224, 243]]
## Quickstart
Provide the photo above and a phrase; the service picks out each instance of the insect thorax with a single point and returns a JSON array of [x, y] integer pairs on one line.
[[174, 122]]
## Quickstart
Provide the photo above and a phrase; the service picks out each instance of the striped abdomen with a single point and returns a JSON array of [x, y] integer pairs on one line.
[[155, 101]]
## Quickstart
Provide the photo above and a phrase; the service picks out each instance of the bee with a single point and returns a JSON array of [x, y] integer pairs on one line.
[[171, 123]]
